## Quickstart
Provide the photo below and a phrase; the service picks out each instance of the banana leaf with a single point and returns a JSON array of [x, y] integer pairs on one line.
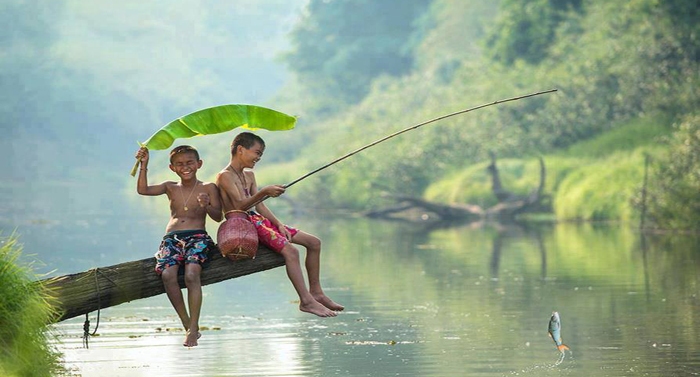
[[216, 120]]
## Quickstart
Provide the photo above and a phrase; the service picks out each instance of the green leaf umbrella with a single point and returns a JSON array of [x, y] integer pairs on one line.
[[216, 120]]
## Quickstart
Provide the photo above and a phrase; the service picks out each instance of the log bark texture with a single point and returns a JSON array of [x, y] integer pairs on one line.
[[102, 287]]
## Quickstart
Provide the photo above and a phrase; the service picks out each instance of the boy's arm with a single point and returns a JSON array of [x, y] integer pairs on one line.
[[231, 195], [261, 208], [142, 186], [213, 208]]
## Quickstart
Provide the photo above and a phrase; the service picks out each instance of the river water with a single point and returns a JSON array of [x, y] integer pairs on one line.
[[465, 300]]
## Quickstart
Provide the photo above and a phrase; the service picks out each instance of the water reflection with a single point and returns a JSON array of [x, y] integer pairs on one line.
[[469, 300]]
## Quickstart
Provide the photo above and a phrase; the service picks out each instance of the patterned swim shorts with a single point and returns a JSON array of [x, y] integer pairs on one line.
[[184, 246], [268, 234]]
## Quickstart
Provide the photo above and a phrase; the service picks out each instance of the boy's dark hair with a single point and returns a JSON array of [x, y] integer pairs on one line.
[[246, 140], [183, 149]]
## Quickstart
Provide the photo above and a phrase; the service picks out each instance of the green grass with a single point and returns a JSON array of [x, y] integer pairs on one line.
[[595, 179], [626, 137], [601, 190], [473, 184], [25, 312]]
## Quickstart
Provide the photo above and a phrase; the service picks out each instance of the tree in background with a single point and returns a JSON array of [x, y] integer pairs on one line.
[[613, 63], [526, 29], [341, 46], [674, 188]]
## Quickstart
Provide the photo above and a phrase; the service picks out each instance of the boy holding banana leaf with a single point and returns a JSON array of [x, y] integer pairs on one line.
[[186, 241], [239, 192]]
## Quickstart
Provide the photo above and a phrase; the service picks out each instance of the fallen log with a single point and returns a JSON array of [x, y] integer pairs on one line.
[[509, 205], [102, 287]]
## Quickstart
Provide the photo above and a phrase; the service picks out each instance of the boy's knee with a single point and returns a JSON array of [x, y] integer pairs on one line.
[[315, 243], [191, 277], [169, 275], [289, 252]]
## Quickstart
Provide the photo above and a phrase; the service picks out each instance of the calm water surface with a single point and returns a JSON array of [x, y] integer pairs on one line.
[[471, 300]]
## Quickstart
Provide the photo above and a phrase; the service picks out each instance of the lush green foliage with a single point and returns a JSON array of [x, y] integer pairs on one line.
[[674, 193], [619, 66], [526, 29], [592, 180], [25, 312]]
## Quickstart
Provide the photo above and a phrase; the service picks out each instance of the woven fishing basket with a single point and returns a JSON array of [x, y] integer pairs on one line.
[[237, 237]]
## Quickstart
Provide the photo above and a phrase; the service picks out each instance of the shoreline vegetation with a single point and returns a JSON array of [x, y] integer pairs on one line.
[[591, 181], [25, 314], [626, 75], [599, 180]]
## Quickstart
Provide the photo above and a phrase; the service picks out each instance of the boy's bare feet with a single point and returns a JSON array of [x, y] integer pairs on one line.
[[317, 308], [191, 338], [327, 302]]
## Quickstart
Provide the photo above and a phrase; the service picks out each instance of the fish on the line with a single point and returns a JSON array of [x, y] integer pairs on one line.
[[554, 331]]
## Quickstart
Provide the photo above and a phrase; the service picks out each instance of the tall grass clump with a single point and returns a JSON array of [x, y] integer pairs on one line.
[[603, 190], [604, 174], [25, 313]]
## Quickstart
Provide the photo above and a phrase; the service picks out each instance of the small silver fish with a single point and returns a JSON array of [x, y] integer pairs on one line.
[[555, 332]]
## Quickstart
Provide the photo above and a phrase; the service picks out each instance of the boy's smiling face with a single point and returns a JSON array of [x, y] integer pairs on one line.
[[185, 165], [250, 156]]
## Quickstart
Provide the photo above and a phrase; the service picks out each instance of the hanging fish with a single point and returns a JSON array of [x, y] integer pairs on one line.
[[555, 332]]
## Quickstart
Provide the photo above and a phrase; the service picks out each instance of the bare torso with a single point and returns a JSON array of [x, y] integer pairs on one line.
[[185, 211], [234, 188]]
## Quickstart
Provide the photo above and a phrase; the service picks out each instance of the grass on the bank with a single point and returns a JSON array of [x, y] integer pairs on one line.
[[596, 179], [25, 313]]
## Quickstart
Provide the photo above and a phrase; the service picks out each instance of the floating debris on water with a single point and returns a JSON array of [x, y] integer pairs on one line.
[[378, 343]]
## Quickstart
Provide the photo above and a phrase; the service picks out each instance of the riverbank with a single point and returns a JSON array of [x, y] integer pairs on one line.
[[25, 311]]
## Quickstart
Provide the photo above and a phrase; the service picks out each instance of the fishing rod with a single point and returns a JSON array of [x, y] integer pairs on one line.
[[385, 138]]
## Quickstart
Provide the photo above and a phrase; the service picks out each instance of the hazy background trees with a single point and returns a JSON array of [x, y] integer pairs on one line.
[[631, 65], [81, 83]]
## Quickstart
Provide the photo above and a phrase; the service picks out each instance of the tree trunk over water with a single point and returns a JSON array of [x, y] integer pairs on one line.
[[102, 287]]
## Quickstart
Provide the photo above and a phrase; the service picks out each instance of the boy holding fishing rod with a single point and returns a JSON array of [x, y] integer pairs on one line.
[[239, 192], [186, 241]]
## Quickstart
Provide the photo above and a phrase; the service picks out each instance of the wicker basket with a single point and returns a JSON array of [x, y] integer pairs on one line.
[[237, 237]]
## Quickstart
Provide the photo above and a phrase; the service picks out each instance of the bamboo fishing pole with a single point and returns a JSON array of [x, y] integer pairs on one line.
[[385, 138]]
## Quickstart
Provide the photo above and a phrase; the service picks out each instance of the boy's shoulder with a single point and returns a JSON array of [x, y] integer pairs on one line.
[[170, 183], [223, 173]]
